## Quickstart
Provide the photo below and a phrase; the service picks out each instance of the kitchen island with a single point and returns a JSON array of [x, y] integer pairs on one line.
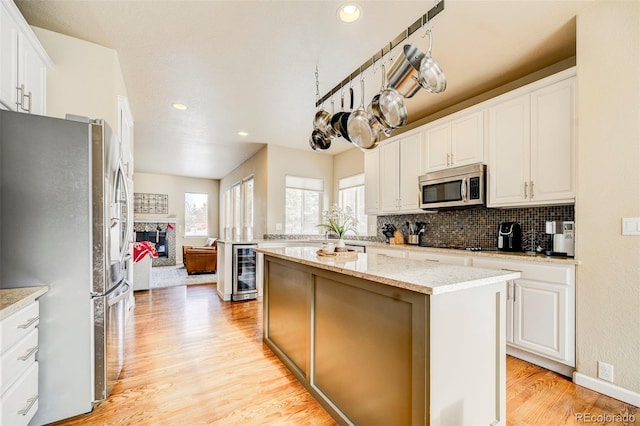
[[381, 340]]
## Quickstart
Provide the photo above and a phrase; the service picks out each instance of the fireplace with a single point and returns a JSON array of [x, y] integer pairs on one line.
[[159, 238], [162, 234]]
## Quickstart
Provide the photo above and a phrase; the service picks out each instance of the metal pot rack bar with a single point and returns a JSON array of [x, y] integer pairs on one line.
[[419, 23]]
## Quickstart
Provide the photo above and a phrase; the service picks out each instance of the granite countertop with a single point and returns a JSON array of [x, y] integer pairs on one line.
[[415, 275], [538, 257], [14, 299]]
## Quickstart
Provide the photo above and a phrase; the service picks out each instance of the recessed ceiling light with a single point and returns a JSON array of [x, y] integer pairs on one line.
[[243, 133], [179, 106], [349, 12]]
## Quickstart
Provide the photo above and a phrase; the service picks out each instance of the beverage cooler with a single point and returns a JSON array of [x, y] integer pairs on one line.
[[244, 272]]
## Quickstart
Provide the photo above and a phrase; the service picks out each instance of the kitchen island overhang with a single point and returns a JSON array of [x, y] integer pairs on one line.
[[381, 340]]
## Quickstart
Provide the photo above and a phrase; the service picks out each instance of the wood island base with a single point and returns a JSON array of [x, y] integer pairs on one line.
[[375, 354]]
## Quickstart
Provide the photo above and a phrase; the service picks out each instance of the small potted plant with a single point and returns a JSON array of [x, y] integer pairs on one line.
[[340, 221]]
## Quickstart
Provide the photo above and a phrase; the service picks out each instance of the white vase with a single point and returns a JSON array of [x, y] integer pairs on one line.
[[340, 243]]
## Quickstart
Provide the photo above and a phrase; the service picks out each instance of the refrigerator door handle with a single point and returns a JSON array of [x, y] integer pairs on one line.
[[122, 295]]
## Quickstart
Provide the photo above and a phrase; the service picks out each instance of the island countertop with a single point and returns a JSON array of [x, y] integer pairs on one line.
[[416, 275], [14, 299]]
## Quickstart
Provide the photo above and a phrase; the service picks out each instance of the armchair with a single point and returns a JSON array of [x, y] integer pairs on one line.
[[200, 259]]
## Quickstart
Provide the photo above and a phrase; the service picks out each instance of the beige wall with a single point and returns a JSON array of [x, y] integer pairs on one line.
[[295, 162], [256, 166], [345, 164], [175, 187], [85, 79], [608, 178]]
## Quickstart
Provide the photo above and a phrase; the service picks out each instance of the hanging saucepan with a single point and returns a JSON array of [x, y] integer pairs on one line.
[[376, 123], [360, 131], [336, 118], [344, 120], [319, 140], [404, 74], [431, 77], [389, 108]]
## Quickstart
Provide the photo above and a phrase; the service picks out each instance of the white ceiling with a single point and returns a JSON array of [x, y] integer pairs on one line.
[[249, 65]]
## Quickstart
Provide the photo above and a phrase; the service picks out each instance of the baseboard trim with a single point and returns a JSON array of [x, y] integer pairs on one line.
[[607, 388], [565, 370]]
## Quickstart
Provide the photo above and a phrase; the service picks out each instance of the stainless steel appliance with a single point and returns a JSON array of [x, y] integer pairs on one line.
[[244, 272], [563, 237], [509, 236], [456, 187], [66, 224]]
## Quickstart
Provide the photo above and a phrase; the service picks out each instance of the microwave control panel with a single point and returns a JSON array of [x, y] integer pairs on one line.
[[474, 188]]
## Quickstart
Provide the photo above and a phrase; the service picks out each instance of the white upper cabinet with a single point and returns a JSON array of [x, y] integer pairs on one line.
[[399, 171], [454, 141], [553, 142], [23, 64], [531, 145], [371, 181]]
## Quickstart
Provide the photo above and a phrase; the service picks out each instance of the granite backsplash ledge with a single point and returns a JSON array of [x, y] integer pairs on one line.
[[478, 226]]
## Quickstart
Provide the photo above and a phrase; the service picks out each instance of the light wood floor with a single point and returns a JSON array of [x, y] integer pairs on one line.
[[192, 359]]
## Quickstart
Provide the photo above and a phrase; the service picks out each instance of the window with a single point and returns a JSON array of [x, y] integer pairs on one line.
[[303, 205], [238, 210], [196, 214], [247, 208], [351, 193]]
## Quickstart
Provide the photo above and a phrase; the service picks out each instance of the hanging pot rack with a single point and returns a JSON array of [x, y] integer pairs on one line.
[[419, 23]]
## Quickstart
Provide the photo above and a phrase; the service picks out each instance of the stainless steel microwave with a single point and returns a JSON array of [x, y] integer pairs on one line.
[[457, 187]]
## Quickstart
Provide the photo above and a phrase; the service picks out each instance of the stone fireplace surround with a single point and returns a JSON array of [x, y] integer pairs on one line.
[[149, 225]]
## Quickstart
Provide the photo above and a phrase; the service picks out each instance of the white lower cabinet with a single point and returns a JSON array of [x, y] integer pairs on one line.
[[540, 310], [391, 252], [448, 259], [18, 366]]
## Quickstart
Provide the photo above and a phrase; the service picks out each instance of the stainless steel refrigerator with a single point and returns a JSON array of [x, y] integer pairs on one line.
[[64, 223]]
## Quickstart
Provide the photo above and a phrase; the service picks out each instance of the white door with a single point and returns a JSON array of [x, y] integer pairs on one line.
[[437, 147], [409, 172], [389, 176], [467, 140], [539, 318], [509, 140], [552, 143], [509, 311]]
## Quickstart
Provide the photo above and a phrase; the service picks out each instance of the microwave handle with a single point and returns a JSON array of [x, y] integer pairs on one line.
[[463, 189]]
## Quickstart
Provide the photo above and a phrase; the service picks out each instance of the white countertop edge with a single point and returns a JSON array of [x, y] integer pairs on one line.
[[330, 265], [14, 299]]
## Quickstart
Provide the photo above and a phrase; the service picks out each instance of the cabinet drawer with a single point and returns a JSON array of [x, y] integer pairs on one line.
[[557, 274], [16, 326], [20, 402], [16, 360]]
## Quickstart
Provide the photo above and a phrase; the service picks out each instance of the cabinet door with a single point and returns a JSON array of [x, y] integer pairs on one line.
[[509, 142], [389, 176], [409, 172], [540, 318], [552, 143], [32, 74], [448, 259], [467, 140], [437, 148], [509, 311], [391, 252], [371, 184], [8, 59]]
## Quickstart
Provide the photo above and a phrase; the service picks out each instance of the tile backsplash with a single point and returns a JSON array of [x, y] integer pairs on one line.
[[478, 226]]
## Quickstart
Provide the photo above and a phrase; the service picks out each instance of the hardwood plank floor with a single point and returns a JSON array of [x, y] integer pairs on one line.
[[192, 359]]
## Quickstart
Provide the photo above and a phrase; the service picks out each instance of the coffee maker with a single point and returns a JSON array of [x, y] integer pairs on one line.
[[563, 237], [509, 236]]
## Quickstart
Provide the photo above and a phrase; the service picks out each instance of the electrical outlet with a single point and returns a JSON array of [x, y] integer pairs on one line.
[[278, 227], [605, 371], [373, 229]]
